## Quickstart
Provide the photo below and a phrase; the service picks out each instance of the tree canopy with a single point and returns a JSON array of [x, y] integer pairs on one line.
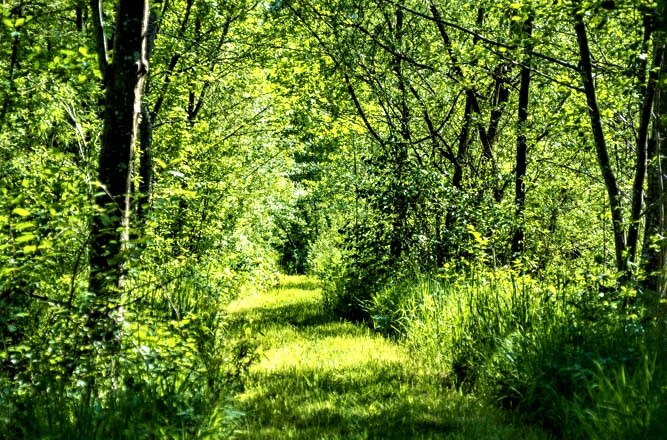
[[157, 158]]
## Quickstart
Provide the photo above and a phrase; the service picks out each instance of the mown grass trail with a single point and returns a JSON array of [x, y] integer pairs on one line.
[[320, 378]]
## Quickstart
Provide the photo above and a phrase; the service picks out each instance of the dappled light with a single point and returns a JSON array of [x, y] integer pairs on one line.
[[333, 219], [338, 380]]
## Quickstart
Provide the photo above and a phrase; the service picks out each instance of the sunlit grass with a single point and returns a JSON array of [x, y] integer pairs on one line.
[[320, 378]]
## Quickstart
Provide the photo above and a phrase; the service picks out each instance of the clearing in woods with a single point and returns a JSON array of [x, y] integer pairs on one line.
[[321, 378]]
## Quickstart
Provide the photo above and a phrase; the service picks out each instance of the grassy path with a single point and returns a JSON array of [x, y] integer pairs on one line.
[[319, 378]]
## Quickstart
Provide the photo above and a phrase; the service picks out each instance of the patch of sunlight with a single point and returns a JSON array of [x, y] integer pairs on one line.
[[333, 352], [321, 378], [298, 282], [276, 298], [276, 334]]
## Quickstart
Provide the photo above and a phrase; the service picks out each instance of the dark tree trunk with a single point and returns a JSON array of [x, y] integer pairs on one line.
[[400, 154], [521, 147], [124, 88], [145, 164], [100, 36], [13, 66], [647, 90], [654, 253], [613, 192], [146, 135], [79, 11]]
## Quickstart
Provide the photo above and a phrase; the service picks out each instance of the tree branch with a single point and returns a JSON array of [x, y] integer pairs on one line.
[[100, 36]]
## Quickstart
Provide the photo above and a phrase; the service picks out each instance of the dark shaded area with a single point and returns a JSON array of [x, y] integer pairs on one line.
[[295, 314]]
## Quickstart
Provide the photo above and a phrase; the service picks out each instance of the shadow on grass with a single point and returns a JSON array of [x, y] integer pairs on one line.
[[354, 403], [326, 379], [299, 314], [384, 402]]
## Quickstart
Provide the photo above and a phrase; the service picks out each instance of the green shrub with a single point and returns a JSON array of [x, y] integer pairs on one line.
[[169, 379], [328, 262], [572, 356]]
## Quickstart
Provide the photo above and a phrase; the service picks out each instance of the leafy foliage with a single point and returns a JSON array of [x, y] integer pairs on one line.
[[373, 144], [570, 356]]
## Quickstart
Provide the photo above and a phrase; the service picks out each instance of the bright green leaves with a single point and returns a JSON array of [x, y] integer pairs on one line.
[[25, 237], [76, 63], [15, 25], [21, 212], [481, 241], [29, 249]]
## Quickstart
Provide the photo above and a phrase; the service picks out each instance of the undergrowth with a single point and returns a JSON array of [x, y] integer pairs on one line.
[[575, 355], [168, 373], [322, 378]]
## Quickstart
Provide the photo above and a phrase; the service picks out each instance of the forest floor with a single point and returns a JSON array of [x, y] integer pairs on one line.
[[317, 377]]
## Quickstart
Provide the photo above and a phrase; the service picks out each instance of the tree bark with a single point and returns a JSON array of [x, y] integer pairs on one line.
[[13, 66], [613, 192], [100, 36], [400, 149], [521, 147], [145, 164], [654, 254], [146, 134], [110, 225], [647, 90]]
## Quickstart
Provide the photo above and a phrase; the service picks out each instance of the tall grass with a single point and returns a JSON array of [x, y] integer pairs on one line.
[[625, 403], [567, 353]]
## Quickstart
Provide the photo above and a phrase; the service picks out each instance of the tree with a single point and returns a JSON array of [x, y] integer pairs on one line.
[[655, 243], [124, 76], [521, 142], [602, 154]]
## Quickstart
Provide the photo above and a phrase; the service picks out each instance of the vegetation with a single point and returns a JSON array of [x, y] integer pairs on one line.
[[319, 377], [475, 191]]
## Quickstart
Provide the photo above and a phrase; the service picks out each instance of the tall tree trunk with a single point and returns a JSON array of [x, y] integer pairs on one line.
[[654, 253], [145, 164], [124, 83], [647, 90], [400, 204], [100, 36], [146, 134], [13, 66], [521, 147], [613, 192]]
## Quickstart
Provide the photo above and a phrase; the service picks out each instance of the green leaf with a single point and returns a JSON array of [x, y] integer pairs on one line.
[[29, 249], [6, 271], [23, 225], [25, 238], [160, 163], [22, 212]]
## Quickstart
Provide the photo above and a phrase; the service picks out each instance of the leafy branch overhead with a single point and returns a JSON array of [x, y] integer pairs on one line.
[[479, 181]]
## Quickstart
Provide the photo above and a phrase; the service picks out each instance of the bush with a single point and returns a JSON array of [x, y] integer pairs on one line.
[[327, 261], [169, 379], [570, 356]]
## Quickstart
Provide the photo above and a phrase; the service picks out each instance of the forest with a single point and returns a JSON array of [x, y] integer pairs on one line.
[[333, 219]]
